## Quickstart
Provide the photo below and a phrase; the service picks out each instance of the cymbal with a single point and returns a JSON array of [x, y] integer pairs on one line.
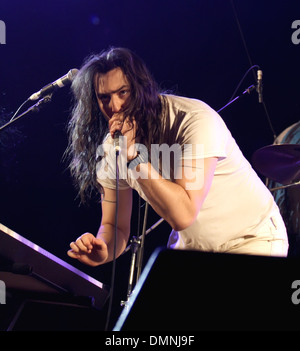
[[278, 162]]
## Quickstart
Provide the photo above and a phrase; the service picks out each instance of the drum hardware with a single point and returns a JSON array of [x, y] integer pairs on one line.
[[284, 186], [280, 163]]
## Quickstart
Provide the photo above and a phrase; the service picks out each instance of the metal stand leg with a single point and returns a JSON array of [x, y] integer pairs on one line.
[[137, 250], [135, 243]]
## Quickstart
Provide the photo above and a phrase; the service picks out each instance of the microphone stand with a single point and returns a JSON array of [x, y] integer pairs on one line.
[[137, 246], [137, 252], [35, 108], [247, 91]]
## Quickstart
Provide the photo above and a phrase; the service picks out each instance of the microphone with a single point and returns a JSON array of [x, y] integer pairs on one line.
[[117, 147], [59, 83], [259, 87]]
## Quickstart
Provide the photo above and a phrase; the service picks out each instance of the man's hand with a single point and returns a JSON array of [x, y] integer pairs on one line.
[[89, 250], [128, 130]]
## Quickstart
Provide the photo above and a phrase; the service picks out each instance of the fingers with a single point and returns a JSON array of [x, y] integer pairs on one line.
[[89, 250], [117, 123], [83, 244], [72, 254]]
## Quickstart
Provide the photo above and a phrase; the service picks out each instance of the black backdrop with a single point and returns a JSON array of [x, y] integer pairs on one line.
[[193, 47]]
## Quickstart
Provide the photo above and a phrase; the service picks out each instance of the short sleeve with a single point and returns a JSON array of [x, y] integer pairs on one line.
[[204, 134]]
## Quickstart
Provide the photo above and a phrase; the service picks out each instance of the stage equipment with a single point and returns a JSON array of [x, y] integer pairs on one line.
[[248, 91], [45, 94], [197, 291], [31, 272], [245, 92], [137, 245], [280, 163], [52, 87], [259, 87]]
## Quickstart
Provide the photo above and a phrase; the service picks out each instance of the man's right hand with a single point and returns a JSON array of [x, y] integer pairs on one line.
[[89, 250]]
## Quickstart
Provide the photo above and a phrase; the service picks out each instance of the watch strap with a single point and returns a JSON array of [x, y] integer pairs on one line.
[[142, 157]]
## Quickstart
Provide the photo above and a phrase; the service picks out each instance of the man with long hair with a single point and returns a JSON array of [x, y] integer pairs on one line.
[[206, 190]]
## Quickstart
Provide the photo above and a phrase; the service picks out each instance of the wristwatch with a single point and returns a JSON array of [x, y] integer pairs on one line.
[[141, 157]]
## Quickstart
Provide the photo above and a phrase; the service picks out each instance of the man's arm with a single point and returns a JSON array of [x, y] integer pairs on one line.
[[107, 227], [178, 202], [98, 250]]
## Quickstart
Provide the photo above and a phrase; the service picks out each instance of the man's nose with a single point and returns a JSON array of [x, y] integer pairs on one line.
[[115, 104]]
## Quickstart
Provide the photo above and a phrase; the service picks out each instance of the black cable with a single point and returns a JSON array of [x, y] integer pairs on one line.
[[15, 114], [142, 244], [241, 81], [139, 216], [14, 117], [241, 34], [35, 108], [269, 120], [251, 64], [113, 273]]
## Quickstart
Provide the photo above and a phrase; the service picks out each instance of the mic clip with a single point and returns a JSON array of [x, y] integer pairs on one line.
[[36, 107]]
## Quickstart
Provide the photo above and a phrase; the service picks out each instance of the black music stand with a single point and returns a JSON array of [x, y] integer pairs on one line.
[[43, 291]]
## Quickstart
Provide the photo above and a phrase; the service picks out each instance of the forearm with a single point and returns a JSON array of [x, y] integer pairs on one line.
[[107, 233], [168, 199]]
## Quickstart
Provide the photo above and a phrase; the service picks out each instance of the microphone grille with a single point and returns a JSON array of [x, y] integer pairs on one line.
[[72, 73], [259, 74]]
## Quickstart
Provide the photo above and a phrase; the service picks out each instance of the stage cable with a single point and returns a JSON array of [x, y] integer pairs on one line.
[[251, 64], [242, 80], [113, 272]]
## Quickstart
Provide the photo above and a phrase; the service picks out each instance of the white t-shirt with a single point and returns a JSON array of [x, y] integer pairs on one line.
[[237, 203]]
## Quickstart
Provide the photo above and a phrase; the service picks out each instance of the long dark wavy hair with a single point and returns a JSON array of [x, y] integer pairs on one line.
[[88, 127]]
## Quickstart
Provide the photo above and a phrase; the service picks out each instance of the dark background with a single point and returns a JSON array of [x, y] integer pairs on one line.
[[194, 47]]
